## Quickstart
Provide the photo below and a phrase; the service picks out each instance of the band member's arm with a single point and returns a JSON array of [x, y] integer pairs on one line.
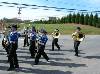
[[73, 36], [53, 34], [19, 35]]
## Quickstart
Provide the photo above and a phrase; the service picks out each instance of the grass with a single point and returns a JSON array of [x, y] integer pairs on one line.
[[65, 28]]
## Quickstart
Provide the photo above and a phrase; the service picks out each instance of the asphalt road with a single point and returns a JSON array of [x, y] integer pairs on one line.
[[62, 62]]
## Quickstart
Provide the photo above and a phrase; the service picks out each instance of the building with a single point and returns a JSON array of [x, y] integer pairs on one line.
[[52, 18]]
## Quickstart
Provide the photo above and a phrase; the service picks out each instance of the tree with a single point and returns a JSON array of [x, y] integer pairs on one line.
[[82, 19], [77, 18], [91, 20], [86, 19], [73, 18], [69, 18], [95, 20], [98, 24], [62, 20]]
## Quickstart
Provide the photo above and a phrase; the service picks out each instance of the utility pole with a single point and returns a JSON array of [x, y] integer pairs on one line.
[[19, 12]]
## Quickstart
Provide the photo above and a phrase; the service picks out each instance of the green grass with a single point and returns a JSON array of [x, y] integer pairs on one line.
[[65, 28]]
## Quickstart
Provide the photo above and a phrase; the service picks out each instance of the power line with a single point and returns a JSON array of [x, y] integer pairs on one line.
[[45, 7]]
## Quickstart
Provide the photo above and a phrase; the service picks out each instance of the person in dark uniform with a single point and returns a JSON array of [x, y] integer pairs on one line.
[[32, 42], [13, 38], [41, 46], [77, 36], [26, 37], [55, 36]]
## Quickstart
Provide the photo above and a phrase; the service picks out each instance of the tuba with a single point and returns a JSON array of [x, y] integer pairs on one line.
[[78, 36], [55, 35], [4, 42]]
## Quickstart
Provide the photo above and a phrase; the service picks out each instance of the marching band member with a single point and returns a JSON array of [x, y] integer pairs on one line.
[[13, 38], [41, 46], [26, 37], [55, 36], [77, 36], [32, 42]]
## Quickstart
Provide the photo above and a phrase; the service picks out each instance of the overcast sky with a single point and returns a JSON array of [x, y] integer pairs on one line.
[[28, 13]]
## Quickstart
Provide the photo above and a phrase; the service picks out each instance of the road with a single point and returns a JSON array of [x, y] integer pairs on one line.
[[62, 62]]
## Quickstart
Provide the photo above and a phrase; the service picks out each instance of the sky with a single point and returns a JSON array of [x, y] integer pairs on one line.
[[34, 14]]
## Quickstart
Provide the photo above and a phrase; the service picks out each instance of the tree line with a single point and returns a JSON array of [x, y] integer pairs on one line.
[[79, 18]]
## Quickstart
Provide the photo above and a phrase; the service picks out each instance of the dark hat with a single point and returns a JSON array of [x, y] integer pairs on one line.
[[78, 28], [27, 27], [43, 31], [56, 30], [14, 26], [33, 27]]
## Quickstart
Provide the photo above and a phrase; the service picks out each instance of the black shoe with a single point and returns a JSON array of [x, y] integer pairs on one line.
[[76, 54], [11, 69], [17, 66], [35, 63], [59, 49], [48, 61]]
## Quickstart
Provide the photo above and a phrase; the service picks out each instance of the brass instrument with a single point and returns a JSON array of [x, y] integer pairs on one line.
[[4, 42], [55, 34], [78, 36]]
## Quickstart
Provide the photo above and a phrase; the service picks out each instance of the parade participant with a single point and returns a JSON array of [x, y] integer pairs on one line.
[[77, 36], [26, 37], [41, 46], [13, 38], [32, 42], [38, 36], [55, 36]]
